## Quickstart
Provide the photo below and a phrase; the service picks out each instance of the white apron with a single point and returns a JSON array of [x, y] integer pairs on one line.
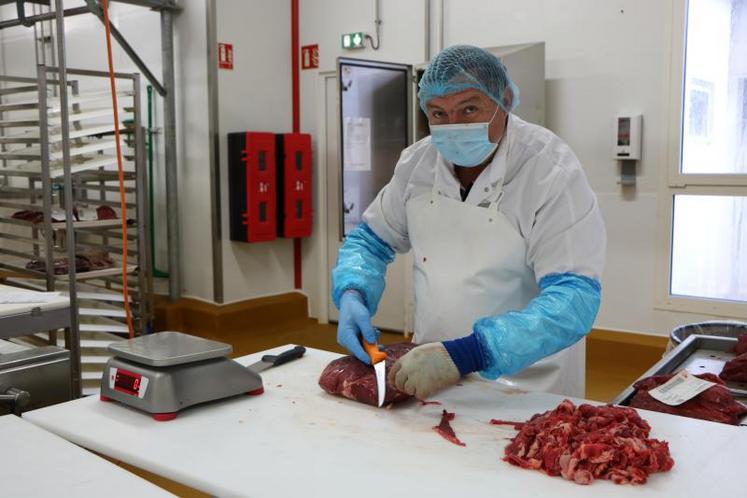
[[471, 263]]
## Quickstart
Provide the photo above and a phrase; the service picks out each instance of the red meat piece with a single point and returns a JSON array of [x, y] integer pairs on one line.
[[741, 346], [445, 430], [516, 425], [588, 442], [106, 213], [715, 403], [84, 261], [32, 216], [425, 403], [353, 379], [735, 370]]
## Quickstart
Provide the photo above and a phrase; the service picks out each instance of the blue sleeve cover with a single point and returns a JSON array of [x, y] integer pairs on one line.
[[361, 265], [557, 318]]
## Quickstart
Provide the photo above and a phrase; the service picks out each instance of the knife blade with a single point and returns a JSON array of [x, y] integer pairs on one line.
[[380, 369], [378, 360], [271, 360]]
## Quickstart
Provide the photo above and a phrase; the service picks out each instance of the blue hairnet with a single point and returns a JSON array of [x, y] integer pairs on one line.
[[557, 318], [460, 67], [361, 265]]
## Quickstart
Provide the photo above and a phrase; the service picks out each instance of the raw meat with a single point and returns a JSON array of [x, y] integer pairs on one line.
[[84, 261], [444, 428], [589, 442], [715, 403], [516, 425], [735, 370], [102, 213], [741, 346], [106, 213], [32, 216], [353, 379]]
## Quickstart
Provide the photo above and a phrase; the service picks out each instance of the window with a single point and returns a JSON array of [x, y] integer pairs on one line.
[[706, 191], [708, 247], [699, 113], [743, 119]]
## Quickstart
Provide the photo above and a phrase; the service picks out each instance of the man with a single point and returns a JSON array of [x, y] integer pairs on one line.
[[507, 238]]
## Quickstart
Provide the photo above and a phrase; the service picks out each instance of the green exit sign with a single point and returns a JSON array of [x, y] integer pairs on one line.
[[354, 40]]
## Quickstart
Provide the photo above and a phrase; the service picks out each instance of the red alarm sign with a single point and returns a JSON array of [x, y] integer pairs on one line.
[[225, 55]]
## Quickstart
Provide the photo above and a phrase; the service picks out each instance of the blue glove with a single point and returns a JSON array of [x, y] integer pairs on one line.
[[355, 321]]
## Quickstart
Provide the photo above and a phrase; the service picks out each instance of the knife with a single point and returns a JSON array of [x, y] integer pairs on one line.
[[272, 360], [378, 361]]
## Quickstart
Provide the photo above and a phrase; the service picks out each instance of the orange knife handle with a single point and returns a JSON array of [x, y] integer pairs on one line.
[[373, 352]]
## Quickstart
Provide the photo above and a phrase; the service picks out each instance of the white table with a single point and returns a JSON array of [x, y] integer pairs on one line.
[[26, 318], [296, 440], [35, 463]]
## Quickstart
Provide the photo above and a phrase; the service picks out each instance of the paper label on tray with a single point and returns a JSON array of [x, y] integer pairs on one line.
[[682, 387]]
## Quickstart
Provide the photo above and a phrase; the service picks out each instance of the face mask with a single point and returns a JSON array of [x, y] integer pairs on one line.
[[464, 144]]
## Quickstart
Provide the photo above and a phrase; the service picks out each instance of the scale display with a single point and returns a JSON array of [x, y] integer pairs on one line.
[[127, 382]]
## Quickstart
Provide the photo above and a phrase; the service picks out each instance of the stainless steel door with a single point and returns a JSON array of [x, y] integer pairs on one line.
[[374, 129], [370, 108]]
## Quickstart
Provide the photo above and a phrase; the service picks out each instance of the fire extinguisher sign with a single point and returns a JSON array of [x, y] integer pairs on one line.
[[310, 57], [225, 55]]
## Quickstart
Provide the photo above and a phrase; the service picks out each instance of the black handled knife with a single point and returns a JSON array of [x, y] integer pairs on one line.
[[272, 360]]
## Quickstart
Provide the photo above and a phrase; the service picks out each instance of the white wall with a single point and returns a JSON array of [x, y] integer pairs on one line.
[[255, 95], [193, 154]]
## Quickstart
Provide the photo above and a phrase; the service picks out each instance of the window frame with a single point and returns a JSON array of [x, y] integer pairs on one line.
[[674, 182]]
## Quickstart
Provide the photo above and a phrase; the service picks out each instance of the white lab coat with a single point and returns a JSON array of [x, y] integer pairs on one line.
[[547, 213]]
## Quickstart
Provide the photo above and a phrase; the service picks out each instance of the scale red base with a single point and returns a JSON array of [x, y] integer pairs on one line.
[[165, 417]]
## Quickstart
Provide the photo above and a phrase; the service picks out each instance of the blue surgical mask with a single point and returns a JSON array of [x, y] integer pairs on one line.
[[464, 144]]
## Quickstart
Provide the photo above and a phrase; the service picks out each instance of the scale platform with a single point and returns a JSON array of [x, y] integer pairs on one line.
[[165, 372]]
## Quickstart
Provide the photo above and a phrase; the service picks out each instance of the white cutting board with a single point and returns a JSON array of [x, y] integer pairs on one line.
[[35, 463], [296, 440]]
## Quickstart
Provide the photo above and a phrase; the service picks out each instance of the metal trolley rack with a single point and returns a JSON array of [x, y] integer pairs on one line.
[[57, 159], [57, 221]]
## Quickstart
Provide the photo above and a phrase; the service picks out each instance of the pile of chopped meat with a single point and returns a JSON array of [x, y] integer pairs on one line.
[[715, 403], [589, 442], [353, 379]]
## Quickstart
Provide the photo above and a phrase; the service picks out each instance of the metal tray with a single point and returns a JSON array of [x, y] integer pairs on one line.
[[162, 349], [719, 328], [697, 354]]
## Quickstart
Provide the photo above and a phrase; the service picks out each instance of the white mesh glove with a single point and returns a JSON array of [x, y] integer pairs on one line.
[[424, 370]]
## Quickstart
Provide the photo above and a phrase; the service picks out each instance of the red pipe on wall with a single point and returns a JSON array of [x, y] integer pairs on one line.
[[297, 269]]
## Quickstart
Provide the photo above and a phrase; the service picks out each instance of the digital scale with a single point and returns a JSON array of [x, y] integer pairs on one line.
[[165, 372]]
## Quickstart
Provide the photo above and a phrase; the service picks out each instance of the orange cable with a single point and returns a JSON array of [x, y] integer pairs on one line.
[[120, 170]]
